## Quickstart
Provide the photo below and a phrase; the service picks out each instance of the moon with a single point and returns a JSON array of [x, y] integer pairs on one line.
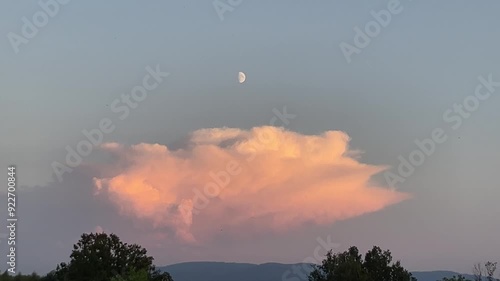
[[241, 77]]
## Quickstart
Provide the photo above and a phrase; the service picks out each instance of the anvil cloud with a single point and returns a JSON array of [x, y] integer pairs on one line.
[[280, 180]]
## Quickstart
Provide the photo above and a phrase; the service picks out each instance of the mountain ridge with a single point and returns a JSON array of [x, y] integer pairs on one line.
[[269, 271]]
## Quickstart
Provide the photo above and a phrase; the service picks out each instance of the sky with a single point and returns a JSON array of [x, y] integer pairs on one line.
[[361, 123]]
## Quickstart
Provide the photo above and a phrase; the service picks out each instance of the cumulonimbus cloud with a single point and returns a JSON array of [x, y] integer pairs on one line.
[[263, 179]]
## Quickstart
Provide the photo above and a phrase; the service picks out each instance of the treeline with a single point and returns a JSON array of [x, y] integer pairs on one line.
[[19, 277], [103, 257]]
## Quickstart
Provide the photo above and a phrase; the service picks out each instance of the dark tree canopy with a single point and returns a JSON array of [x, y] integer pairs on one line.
[[455, 278], [102, 257], [351, 266]]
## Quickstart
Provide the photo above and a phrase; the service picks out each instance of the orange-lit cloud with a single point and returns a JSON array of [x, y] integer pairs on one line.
[[243, 181]]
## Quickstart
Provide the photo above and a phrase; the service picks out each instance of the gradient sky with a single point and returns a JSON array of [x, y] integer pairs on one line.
[[395, 91]]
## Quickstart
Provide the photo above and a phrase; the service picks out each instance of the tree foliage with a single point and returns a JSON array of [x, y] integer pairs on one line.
[[490, 268], [141, 275], [351, 266], [5, 276], [102, 257], [455, 278]]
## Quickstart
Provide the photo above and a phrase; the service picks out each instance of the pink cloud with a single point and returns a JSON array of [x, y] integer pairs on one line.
[[243, 181]]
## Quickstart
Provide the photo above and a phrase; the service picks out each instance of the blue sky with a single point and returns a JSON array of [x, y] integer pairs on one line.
[[396, 90]]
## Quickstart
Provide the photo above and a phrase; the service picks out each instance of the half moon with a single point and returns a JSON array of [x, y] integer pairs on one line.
[[241, 77]]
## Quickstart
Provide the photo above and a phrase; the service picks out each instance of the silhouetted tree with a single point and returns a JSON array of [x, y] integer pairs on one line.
[[51, 276], [477, 270], [455, 278], [101, 257], [490, 268], [350, 266]]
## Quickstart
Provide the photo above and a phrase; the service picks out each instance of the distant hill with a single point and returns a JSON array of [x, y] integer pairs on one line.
[[221, 271], [437, 275]]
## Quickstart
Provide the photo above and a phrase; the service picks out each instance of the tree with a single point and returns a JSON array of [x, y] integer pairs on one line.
[[51, 276], [377, 264], [490, 267], [455, 278], [346, 266], [5, 276], [157, 275], [102, 257], [477, 270], [350, 266], [19, 276]]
